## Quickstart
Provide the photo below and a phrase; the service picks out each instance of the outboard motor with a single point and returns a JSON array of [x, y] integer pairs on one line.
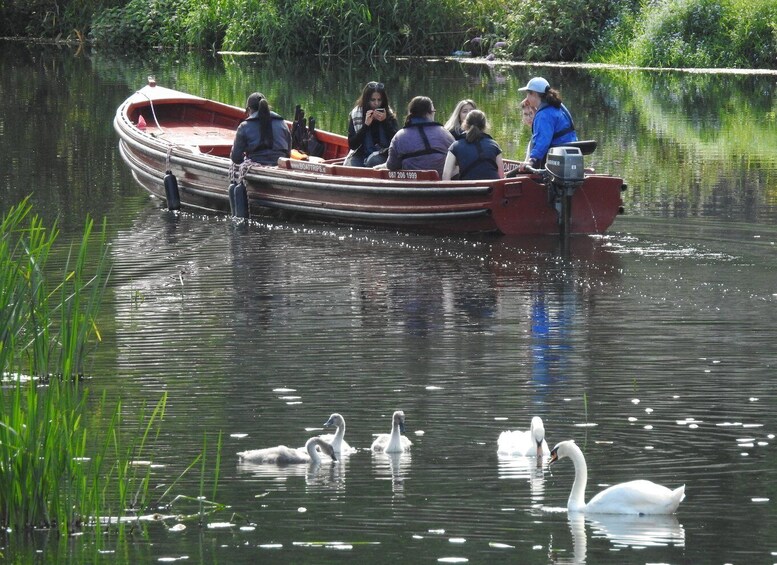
[[564, 167]]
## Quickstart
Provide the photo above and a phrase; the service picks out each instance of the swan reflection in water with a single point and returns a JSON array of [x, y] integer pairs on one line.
[[657, 530], [318, 476], [529, 468], [394, 466], [638, 531]]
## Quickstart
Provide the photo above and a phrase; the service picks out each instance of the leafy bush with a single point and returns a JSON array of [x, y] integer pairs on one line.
[[681, 33], [298, 27], [140, 24], [205, 22], [50, 18], [559, 30], [345, 27], [684, 33], [753, 40], [695, 33]]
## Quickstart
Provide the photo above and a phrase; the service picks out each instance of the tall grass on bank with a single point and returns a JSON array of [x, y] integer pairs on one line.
[[64, 463], [53, 19]]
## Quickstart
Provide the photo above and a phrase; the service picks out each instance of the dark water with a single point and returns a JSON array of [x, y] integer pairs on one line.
[[653, 346]]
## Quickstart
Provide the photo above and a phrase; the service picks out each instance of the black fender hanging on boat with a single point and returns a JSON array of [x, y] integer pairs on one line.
[[238, 200], [171, 191]]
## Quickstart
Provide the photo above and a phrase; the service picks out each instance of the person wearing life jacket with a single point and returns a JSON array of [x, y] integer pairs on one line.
[[476, 155], [422, 143], [263, 136], [553, 124], [371, 127]]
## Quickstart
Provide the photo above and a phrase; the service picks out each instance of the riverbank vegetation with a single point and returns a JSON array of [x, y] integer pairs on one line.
[[66, 461], [661, 33]]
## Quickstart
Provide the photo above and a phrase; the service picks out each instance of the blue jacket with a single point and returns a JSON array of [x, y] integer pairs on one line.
[[248, 140], [552, 127], [477, 160]]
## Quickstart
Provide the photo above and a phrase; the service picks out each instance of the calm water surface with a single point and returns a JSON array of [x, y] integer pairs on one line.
[[653, 346]]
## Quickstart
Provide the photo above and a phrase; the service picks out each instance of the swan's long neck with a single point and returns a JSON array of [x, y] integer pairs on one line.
[[395, 441], [310, 445], [337, 441], [577, 496]]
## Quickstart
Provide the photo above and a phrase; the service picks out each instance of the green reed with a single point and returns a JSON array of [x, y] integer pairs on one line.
[[65, 463], [46, 332]]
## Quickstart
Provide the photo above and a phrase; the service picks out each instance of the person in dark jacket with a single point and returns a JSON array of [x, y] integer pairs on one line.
[[477, 155], [422, 143], [263, 136], [553, 125], [371, 127]]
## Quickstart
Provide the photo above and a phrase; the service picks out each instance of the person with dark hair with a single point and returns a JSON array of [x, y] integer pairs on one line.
[[371, 127], [455, 123], [553, 125], [263, 136], [422, 143], [475, 156]]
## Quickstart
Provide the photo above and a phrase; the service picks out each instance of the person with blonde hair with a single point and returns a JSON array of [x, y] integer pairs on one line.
[[475, 156], [527, 117], [456, 121]]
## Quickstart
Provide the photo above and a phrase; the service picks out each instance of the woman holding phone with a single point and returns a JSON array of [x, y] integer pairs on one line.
[[371, 127]]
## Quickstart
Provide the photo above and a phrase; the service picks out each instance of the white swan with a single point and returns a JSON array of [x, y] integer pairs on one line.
[[336, 440], [528, 443], [633, 497], [282, 455], [394, 442]]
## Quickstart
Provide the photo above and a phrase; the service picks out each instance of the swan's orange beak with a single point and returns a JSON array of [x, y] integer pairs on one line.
[[553, 457]]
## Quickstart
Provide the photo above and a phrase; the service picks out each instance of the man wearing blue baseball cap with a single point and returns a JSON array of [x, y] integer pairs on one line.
[[553, 123]]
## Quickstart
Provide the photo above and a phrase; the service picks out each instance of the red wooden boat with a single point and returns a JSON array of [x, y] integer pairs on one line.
[[166, 133]]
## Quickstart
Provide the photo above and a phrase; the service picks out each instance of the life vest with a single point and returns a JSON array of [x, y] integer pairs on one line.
[[428, 149], [264, 144], [480, 158]]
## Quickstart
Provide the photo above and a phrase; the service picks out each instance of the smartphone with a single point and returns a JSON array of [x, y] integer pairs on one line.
[[381, 110]]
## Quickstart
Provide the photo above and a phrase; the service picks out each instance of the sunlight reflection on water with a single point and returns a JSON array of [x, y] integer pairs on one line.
[[617, 350]]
